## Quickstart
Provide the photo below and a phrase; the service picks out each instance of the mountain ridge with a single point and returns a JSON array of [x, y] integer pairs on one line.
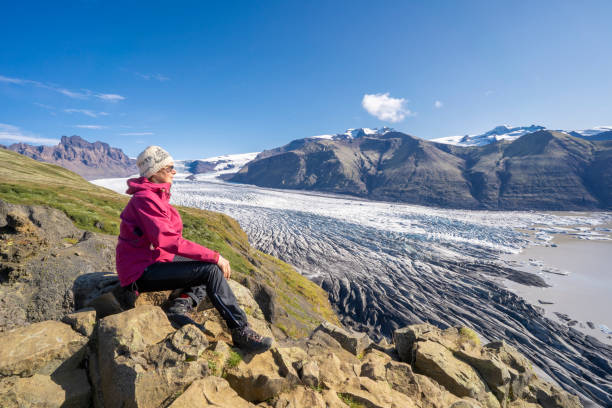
[[544, 170]]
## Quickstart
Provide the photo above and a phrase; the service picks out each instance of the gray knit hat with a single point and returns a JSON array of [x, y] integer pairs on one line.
[[152, 160]]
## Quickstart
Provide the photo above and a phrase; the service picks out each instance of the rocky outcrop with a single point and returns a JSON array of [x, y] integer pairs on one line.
[[41, 255], [136, 358], [89, 160], [545, 170]]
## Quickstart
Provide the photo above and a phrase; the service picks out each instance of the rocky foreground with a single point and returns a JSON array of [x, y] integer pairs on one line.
[[105, 356]]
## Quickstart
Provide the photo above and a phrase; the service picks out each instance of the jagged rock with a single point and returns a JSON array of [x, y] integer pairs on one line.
[[285, 361], [401, 378], [210, 392], [432, 394], [83, 321], [137, 362], [437, 362], [351, 341], [377, 394], [44, 348], [405, 337], [300, 397], [374, 365], [309, 373], [549, 396], [332, 372], [190, 341], [70, 389], [257, 379]]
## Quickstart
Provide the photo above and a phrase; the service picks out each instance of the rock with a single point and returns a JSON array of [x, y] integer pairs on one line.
[[404, 339], [549, 396], [492, 370], [82, 321], [377, 394], [44, 348], [217, 357], [351, 341], [432, 394], [374, 365], [300, 397], [137, 362], [70, 389], [332, 400], [189, 340], [437, 362], [285, 361], [401, 378], [257, 379], [309, 373], [210, 392]]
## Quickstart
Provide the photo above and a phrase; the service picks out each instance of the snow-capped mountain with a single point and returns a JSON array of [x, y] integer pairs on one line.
[[355, 133], [213, 167], [505, 132]]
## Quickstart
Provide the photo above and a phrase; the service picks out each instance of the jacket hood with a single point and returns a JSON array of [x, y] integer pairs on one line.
[[142, 183]]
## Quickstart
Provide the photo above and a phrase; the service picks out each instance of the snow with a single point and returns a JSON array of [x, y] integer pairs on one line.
[[505, 132]]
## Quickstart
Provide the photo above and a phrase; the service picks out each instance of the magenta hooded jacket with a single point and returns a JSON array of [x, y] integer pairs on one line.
[[151, 231]]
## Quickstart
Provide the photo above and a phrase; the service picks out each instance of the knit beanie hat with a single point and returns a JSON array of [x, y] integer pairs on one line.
[[152, 160]]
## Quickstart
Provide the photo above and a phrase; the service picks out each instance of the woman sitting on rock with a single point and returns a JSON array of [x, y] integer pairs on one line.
[[151, 235]]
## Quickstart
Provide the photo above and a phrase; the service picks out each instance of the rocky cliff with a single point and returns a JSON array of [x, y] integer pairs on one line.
[[544, 170], [89, 160]]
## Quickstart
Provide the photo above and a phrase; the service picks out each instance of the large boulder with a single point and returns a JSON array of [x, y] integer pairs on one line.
[[142, 361], [437, 362], [43, 348]]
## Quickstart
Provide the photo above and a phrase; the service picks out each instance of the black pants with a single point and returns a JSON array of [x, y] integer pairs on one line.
[[192, 276]]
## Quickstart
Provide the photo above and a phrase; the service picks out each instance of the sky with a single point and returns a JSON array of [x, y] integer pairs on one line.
[[204, 78]]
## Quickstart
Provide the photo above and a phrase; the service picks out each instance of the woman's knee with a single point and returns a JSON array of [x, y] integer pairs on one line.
[[213, 272]]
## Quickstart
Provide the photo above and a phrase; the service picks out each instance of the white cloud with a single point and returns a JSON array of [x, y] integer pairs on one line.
[[438, 104], [158, 77], [83, 94], [83, 111], [110, 97], [384, 107], [137, 134], [94, 127], [13, 133]]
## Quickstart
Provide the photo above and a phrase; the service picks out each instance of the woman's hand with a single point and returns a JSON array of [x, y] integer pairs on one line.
[[224, 265]]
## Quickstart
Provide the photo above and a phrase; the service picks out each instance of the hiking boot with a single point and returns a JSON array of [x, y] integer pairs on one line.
[[249, 341], [178, 312], [181, 306]]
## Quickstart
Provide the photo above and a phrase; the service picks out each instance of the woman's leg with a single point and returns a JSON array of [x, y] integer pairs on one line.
[[178, 275]]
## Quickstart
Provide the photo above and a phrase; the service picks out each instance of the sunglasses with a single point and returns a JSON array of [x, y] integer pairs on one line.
[[169, 168]]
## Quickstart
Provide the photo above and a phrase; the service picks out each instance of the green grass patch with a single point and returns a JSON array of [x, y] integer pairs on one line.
[[233, 360], [348, 400]]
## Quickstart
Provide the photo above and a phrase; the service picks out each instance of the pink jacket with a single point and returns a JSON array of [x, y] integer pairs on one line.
[[151, 231]]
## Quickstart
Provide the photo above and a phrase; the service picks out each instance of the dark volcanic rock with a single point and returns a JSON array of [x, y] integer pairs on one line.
[[542, 170], [89, 160]]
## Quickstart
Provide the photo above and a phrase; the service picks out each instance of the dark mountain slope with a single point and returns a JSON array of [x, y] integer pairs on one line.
[[543, 170]]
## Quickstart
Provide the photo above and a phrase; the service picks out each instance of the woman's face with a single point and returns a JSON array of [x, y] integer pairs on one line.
[[165, 175]]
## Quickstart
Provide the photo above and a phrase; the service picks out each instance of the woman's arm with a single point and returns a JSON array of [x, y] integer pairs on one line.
[[158, 228]]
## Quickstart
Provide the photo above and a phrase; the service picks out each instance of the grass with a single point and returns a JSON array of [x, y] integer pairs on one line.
[[212, 366], [348, 400], [233, 360], [96, 209], [470, 335]]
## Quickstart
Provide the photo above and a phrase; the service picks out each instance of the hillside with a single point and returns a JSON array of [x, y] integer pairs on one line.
[[543, 170], [296, 305]]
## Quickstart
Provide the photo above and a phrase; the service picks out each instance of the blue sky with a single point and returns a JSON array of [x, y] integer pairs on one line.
[[209, 78]]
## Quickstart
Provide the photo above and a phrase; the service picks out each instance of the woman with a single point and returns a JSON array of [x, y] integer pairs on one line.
[[150, 237]]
